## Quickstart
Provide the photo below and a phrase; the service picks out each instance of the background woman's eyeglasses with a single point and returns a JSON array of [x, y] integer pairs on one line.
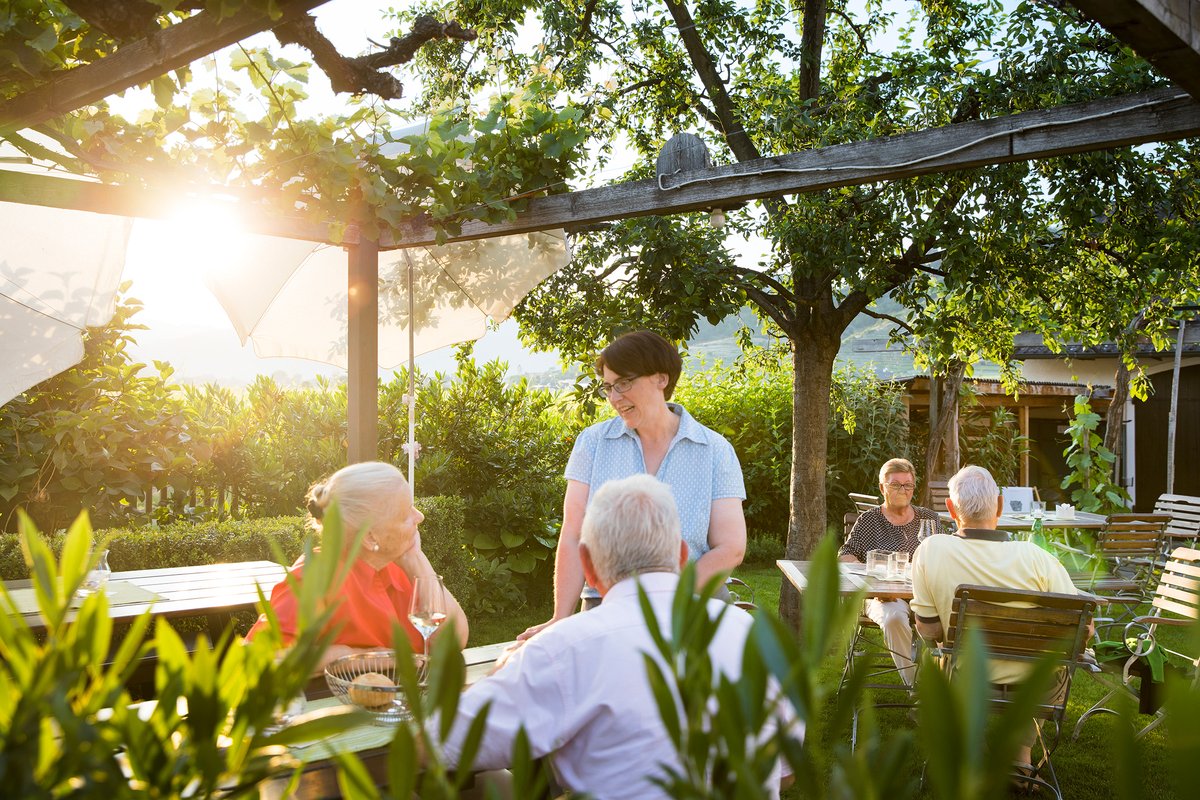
[[901, 487], [620, 386]]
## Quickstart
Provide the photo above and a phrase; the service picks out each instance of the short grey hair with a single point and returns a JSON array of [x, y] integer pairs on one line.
[[894, 465], [974, 493], [632, 526], [366, 493]]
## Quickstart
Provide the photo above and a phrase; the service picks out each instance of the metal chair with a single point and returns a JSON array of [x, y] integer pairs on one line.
[[1176, 603], [741, 594], [864, 502], [867, 646], [1022, 625]]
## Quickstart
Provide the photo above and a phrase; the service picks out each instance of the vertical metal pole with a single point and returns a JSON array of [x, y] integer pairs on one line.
[[1171, 418], [362, 379], [412, 380]]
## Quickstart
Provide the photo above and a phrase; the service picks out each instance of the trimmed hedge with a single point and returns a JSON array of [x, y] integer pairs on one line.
[[278, 539]]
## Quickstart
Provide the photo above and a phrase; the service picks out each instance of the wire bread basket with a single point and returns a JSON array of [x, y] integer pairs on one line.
[[369, 681]]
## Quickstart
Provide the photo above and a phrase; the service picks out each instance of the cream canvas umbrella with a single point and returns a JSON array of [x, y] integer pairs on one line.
[[59, 273], [290, 299]]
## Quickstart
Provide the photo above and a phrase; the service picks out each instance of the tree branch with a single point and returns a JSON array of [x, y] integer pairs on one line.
[[780, 289], [731, 127], [768, 306], [361, 75], [888, 318]]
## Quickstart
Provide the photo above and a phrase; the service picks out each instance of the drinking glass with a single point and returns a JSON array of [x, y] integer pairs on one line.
[[898, 566], [96, 577], [428, 609], [926, 529], [1037, 509]]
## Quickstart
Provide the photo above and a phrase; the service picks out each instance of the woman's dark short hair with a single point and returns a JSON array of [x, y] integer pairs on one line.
[[642, 353]]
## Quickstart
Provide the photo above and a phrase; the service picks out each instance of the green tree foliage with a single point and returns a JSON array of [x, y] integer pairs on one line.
[[1090, 480], [502, 447], [768, 78], [93, 436]]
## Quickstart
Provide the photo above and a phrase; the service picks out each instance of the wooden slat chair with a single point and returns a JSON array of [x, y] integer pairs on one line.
[[1022, 625], [1184, 527], [1176, 603], [1125, 559], [939, 493], [864, 502]]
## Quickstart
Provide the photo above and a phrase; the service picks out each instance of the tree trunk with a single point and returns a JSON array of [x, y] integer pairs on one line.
[[943, 457], [812, 358], [1115, 418]]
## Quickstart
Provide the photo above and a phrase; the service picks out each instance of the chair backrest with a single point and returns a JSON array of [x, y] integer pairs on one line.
[[1129, 536], [939, 493], [1178, 591], [1184, 511], [848, 521], [864, 502], [1023, 625]]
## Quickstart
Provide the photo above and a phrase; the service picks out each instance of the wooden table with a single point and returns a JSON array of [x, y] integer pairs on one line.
[[318, 776], [1024, 522], [852, 579], [214, 591]]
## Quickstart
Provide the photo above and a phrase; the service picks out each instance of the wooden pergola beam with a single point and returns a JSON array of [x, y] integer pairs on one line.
[[133, 201], [1158, 115], [140, 61], [1164, 32]]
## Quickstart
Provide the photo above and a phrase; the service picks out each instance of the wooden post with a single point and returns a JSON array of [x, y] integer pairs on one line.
[[1171, 417], [362, 392], [1023, 429]]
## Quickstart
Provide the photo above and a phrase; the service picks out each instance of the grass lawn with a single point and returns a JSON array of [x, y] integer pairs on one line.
[[1085, 767]]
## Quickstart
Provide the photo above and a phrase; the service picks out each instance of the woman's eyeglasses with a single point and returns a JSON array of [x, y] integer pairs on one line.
[[620, 386], [901, 487]]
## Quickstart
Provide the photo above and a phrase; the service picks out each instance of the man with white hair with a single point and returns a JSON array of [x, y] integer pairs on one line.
[[579, 687], [981, 555]]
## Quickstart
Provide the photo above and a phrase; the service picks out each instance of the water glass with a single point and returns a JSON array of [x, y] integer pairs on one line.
[[96, 578], [1037, 509], [877, 563], [898, 566]]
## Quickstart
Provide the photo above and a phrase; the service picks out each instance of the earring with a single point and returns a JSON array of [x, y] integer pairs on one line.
[[374, 547]]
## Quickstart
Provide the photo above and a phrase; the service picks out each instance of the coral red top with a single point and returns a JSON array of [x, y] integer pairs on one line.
[[372, 602]]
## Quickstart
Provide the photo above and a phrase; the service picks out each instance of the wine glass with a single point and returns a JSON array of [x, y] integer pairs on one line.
[[428, 609], [927, 528]]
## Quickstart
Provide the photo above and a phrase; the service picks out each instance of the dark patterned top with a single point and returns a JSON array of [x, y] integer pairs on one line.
[[872, 531]]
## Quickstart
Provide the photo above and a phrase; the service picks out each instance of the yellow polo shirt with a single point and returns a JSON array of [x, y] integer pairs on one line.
[[987, 558]]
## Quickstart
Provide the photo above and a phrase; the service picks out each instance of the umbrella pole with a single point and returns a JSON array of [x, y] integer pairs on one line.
[[412, 383]]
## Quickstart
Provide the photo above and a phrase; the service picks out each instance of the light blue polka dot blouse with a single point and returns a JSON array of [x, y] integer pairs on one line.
[[700, 467]]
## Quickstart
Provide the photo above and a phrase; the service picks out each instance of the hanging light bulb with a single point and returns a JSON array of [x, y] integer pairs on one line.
[[716, 218]]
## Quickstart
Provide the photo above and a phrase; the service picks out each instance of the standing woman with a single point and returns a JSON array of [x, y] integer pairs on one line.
[[378, 589], [639, 372]]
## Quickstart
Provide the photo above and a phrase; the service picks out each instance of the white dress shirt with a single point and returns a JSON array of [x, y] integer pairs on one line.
[[579, 688]]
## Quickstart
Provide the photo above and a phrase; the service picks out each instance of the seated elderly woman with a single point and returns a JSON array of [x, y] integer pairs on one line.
[[378, 589]]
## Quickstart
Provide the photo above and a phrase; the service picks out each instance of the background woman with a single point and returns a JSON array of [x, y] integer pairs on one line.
[[377, 592], [639, 372]]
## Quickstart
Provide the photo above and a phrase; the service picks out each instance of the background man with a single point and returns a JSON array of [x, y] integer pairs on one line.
[[579, 687], [894, 526], [979, 554]]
